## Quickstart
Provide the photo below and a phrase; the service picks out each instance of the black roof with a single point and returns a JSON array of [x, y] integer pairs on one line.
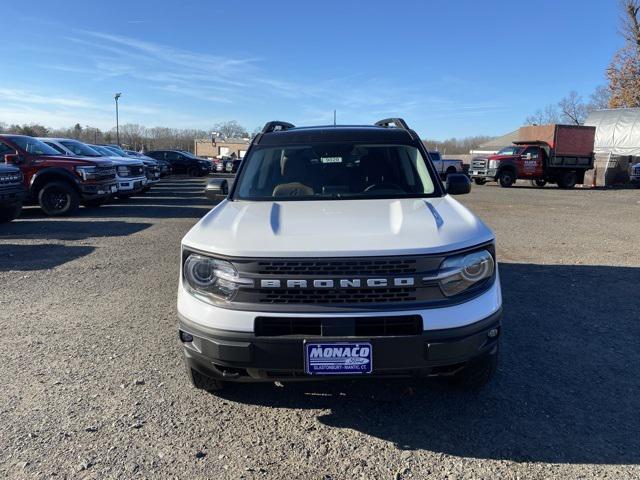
[[341, 133]]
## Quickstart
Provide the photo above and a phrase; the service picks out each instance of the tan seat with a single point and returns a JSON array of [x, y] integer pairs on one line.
[[293, 173]]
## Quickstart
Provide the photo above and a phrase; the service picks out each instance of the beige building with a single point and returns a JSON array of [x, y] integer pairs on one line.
[[221, 147]]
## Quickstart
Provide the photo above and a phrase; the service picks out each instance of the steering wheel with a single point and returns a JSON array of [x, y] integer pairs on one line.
[[383, 186]]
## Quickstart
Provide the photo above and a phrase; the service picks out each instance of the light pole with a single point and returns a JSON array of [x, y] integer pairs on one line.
[[117, 96]]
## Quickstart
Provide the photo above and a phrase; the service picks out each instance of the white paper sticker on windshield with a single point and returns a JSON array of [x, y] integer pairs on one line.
[[331, 159]]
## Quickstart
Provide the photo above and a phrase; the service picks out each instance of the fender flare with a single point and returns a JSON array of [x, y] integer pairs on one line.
[[54, 172]]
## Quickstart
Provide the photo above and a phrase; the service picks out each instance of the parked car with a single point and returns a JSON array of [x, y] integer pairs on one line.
[[151, 166], [183, 162], [445, 167], [232, 165], [12, 192], [544, 154], [131, 173], [635, 174], [59, 183], [218, 165], [338, 252], [165, 167]]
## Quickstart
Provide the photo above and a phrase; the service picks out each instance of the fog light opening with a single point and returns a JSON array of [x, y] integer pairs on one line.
[[185, 337], [493, 333]]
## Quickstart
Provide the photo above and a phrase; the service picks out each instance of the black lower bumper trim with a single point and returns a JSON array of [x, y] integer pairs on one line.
[[242, 356]]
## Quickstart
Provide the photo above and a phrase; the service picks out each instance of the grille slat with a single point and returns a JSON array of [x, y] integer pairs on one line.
[[341, 268], [361, 295]]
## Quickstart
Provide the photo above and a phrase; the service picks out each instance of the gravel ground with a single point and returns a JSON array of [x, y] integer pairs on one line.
[[93, 384]]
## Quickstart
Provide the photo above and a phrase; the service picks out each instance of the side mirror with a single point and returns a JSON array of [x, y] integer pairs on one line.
[[13, 158], [217, 189], [458, 184]]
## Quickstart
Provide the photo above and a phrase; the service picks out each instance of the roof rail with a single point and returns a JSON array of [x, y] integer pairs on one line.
[[397, 122], [276, 125]]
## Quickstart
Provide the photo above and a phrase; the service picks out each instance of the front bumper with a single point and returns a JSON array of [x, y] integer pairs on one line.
[[12, 194], [94, 191], [131, 185], [488, 174], [245, 357]]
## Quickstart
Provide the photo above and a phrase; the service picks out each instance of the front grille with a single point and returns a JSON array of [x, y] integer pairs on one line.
[[137, 171], [361, 267], [320, 296], [105, 173], [340, 326], [479, 164]]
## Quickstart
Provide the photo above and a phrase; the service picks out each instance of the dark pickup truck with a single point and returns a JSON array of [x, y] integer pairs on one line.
[[543, 154], [59, 184], [12, 192]]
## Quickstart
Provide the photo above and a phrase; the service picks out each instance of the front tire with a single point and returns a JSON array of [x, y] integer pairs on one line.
[[507, 178], [58, 199], [477, 373], [480, 181], [10, 213], [193, 172], [202, 382]]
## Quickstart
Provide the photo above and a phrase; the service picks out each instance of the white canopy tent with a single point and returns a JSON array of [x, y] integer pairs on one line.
[[617, 131]]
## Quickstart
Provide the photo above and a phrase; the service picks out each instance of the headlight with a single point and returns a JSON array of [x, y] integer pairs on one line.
[[462, 272], [493, 164], [87, 173], [211, 279], [124, 171]]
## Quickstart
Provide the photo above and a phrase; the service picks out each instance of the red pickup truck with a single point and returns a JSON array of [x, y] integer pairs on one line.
[[57, 183], [543, 154]]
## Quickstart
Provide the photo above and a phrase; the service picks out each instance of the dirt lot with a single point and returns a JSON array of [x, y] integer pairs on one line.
[[92, 384]]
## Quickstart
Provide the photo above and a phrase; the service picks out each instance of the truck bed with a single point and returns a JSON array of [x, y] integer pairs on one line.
[[564, 140]]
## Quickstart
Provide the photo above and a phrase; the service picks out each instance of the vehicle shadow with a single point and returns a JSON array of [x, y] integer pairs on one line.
[[40, 256], [567, 388], [65, 229]]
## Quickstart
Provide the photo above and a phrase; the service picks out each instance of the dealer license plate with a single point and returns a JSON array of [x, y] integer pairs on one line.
[[338, 358]]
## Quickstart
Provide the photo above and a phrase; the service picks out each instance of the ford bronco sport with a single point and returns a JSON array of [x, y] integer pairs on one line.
[[338, 252]]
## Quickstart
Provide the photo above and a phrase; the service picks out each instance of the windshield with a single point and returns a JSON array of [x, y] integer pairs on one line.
[[330, 171], [105, 152], [512, 150], [34, 146], [79, 148], [116, 151]]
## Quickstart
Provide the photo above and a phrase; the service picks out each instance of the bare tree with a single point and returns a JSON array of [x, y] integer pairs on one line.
[[599, 99], [573, 109], [230, 129], [549, 114], [624, 70]]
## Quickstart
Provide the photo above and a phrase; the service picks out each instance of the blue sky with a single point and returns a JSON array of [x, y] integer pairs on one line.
[[451, 69]]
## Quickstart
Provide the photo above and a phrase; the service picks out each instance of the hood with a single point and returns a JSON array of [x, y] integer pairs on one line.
[[501, 157], [125, 161], [337, 228], [76, 160]]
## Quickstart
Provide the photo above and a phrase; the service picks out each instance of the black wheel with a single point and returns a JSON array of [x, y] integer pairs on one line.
[[58, 199], [538, 183], [193, 172], [477, 373], [203, 382], [95, 203], [506, 178], [10, 213], [568, 180], [480, 181]]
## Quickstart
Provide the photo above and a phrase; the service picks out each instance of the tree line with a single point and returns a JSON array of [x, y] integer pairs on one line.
[[623, 75], [132, 136]]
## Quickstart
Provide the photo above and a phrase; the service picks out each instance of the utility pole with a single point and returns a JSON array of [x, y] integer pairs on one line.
[[117, 96]]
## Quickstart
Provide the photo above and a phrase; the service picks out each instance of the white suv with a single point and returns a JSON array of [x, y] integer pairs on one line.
[[338, 252]]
